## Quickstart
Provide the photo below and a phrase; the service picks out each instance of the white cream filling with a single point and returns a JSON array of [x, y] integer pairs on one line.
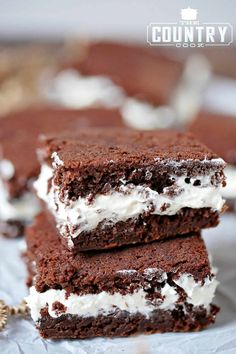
[[74, 90], [56, 160], [7, 169], [144, 116], [104, 303], [41, 184], [198, 295], [188, 95], [22, 208], [128, 202], [229, 191]]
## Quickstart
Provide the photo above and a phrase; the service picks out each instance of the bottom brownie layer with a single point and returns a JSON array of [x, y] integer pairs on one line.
[[121, 323], [145, 229]]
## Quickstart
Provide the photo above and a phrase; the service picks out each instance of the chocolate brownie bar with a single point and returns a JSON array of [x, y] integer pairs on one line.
[[222, 140], [152, 90], [159, 287], [18, 162], [117, 187]]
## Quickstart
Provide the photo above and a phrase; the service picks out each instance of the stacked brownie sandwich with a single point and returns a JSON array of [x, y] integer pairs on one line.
[[117, 249]]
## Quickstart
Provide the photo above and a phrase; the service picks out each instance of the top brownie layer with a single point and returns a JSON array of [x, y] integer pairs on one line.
[[94, 162], [218, 132], [19, 133], [142, 72]]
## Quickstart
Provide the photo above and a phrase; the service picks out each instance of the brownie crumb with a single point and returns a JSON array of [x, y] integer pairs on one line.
[[59, 308]]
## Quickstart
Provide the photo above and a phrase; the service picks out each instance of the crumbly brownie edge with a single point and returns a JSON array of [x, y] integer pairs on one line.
[[122, 323]]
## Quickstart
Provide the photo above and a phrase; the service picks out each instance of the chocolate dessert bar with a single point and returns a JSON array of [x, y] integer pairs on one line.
[[18, 162], [118, 187], [219, 133], [151, 89], [159, 287]]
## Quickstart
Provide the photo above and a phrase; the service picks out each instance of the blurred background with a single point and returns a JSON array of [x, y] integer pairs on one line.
[[57, 19], [34, 35]]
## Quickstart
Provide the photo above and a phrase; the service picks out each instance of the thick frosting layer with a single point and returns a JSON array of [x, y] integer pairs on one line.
[[229, 192], [128, 202], [197, 294]]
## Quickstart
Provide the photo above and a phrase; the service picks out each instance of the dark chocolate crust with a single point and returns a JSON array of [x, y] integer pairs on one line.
[[93, 272], [24, 127], [123, 324], [218, 132], [145, 229], [97, 161], [141, 71]]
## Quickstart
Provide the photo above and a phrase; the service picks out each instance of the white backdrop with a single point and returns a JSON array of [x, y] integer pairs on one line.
[[101, 18]]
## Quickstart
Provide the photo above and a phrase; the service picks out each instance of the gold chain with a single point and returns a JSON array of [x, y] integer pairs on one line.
[[6, 311]]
